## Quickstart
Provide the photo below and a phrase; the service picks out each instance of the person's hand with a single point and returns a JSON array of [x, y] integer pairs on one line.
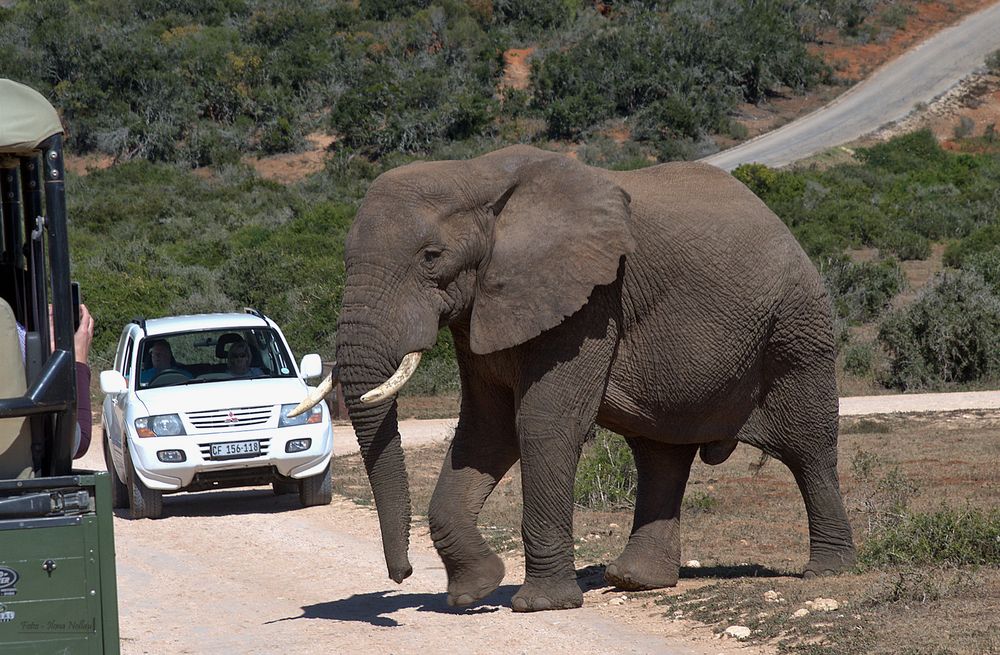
[[81, 338], [84, 335]]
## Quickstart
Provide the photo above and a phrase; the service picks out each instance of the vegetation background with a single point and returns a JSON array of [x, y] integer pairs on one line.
[[179, 96]]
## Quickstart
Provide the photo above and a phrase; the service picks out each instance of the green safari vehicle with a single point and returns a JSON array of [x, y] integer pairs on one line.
[[57, 564]]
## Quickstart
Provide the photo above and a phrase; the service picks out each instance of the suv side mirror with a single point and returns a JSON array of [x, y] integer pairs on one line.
[[113, 382], [311, 366]]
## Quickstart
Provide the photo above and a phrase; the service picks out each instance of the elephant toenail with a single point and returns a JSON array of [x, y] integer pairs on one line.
[[519, 605], [464, 599], [543, 603]]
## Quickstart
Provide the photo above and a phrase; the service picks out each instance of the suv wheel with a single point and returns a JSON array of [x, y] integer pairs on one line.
[[317, 490], [119, 492], [146, 503]]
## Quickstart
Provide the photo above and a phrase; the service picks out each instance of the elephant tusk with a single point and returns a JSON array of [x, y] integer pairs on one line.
[[317, 394], [394, 383]]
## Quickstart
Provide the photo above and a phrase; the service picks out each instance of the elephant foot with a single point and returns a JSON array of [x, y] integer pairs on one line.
[[540, 595], [829, 563], [475, 582], [633, 573]]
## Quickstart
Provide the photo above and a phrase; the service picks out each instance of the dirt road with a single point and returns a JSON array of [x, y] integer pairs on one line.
[[246, 572], [243, 572]]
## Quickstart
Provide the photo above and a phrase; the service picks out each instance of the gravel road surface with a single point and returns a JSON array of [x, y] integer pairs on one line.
[[248, 573]]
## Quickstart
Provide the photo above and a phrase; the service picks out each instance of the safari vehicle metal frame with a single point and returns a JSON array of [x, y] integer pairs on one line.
[[57, 569]]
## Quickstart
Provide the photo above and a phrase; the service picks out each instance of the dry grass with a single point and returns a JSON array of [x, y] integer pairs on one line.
[[951, 460]]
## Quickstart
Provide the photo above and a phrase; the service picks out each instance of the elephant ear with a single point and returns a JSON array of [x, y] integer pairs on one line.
[[561, 229]]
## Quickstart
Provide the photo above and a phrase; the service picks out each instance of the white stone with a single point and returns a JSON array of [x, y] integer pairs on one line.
[[825, 605], [679, 613], [799, 613], [613, 526], [693, 563], [738, 631], [616, 601], [772, 596]]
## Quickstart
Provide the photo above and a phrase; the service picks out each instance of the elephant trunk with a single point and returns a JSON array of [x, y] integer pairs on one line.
[[377, 431], [362, 368]]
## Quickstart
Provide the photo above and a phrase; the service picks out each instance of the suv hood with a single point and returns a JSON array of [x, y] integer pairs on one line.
[[225, 394]]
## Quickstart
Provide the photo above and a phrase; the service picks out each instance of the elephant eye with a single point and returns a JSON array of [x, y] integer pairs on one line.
[[431, 255]]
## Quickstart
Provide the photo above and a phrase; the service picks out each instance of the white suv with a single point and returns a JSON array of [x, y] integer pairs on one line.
[[201, 402]]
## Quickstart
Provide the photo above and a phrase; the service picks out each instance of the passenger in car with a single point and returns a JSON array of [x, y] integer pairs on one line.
[[162, 358], [238, 361]]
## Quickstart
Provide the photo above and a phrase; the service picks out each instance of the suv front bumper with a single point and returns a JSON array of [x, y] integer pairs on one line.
[[175, 476]]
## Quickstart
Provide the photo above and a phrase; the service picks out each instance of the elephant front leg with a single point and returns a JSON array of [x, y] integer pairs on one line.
[[479, 457], [550, 450], [651, 558]]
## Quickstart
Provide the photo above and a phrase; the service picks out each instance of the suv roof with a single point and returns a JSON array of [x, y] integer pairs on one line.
[[190, 322]]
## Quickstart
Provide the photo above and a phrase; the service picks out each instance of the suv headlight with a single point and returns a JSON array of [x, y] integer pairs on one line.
[[314, 415], [162, 425]]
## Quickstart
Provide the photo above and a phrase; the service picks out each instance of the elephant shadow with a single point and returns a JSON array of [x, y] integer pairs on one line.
[[378, 607], [592, 577]]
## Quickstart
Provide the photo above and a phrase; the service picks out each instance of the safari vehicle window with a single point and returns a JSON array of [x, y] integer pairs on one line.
[[211, 356]]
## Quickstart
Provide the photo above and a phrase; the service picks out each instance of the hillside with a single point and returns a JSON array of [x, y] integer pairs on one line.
[[222, 165]]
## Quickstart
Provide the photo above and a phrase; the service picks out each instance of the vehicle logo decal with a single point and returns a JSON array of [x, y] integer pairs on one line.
[[8, 578], [6, 616], [232, 418]]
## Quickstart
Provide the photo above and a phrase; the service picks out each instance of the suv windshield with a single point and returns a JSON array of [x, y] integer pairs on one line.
[[212, 355]]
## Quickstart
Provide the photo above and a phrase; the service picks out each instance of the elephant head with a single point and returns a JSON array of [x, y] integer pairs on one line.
[[509, 244]]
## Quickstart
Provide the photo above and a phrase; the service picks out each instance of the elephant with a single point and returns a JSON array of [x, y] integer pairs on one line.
[[666, 304]]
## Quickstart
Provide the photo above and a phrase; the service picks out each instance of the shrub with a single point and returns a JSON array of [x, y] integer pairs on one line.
[[858, 359], [947, 536], [987, 264], [861, 291], [606, 477], [993, 61], [950, 335]]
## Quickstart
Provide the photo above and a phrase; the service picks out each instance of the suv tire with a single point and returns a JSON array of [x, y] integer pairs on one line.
[[146, 503], [119, 492], [284, 487], [317, 490]]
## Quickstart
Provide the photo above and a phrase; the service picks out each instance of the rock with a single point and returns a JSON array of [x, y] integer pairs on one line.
[[738, 631], [772, 596], [613, 526], [799, 613], [693, 563], [825, 605], [616, 601], [679, 613]]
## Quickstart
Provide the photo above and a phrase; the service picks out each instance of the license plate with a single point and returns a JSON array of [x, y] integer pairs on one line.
[[235, 449]]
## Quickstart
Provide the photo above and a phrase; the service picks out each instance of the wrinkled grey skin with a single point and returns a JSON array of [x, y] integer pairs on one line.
[[668, 305]]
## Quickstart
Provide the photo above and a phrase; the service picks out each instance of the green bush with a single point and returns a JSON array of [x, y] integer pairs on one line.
[[858, 359], [606, 477], [947, 536], [861, 291], [949, 336]]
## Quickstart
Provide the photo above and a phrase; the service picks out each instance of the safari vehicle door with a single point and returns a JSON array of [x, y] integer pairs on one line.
[[57, 570]]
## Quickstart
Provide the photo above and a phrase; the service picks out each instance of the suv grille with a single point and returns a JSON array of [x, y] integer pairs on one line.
[[237, 417]]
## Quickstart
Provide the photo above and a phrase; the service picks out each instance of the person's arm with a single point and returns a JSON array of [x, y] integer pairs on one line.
[[81, 342]]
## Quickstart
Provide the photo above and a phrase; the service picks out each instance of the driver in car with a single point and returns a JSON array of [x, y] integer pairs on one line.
[[162, 358]]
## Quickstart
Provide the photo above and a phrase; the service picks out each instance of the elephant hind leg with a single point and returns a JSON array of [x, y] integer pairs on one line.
[[651, 558], [797, 423]]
